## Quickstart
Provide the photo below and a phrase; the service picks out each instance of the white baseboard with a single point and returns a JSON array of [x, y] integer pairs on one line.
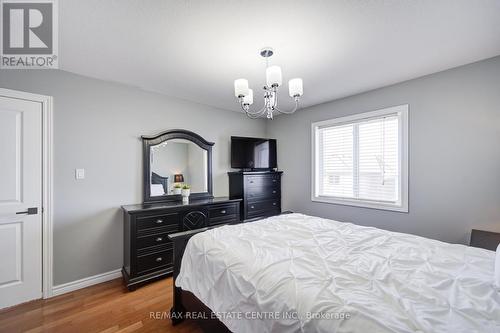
[[85, 282]]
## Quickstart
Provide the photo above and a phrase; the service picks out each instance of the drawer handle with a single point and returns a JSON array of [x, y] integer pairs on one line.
[[159, 239], [274, 192], [223, 211], [252, 207], [159, 259], [251, 182], [274, 203], [274, 180], [159, 221]]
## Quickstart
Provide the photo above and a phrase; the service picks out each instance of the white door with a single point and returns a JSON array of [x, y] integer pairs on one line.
[[20, 192]]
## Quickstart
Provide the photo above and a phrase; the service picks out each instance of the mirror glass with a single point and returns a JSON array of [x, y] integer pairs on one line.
[[177, 162]]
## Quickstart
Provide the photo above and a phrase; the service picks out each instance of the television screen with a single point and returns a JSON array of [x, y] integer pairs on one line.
[[253, 153]]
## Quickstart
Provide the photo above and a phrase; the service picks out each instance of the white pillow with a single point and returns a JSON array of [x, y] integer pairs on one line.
[[497, 267]]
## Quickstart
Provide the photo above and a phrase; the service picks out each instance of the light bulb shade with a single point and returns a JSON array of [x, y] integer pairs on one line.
[[248, 99], [295, 87], [273, 76], [240, 87]]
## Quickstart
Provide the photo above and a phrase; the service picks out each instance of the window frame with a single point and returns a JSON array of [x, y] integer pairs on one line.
[[402, 204]]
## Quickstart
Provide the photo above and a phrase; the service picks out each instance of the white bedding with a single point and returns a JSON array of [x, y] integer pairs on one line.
[[292, 267]]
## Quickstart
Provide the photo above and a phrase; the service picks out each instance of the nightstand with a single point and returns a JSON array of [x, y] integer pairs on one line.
[[485, 239]]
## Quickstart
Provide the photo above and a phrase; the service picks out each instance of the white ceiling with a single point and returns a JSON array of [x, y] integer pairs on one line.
[[194, 49]]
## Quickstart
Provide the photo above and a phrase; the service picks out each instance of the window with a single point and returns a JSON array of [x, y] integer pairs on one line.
[[362, 160]]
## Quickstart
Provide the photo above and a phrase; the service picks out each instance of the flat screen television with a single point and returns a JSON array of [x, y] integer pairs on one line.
[[253, 153]]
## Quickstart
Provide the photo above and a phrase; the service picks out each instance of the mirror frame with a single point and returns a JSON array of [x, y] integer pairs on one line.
[[148, 141]]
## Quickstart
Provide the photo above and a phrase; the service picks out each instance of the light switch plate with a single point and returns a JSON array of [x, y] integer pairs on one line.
[[80, 173]]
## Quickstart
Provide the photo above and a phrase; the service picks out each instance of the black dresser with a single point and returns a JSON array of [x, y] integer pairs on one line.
[[260, 192], [148, 253]]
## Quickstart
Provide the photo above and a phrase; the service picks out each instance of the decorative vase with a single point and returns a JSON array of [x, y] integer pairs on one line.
[[186, 192], [177, 190]]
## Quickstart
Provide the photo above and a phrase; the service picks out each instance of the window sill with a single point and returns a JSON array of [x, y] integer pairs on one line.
[[363, 204]]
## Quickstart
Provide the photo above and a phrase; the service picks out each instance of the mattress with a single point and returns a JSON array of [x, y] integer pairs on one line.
[[298, 273]]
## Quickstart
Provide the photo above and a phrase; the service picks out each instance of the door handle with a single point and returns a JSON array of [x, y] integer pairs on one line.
[[30, 211]]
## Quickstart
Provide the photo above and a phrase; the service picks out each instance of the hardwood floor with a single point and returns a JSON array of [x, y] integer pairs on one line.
[[104, 308]]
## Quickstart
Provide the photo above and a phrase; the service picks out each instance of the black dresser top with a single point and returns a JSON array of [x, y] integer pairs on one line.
[[254, 172], [162, 205]]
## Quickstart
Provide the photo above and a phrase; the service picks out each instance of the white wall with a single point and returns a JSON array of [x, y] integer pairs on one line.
[[97, 126], [454, 153]]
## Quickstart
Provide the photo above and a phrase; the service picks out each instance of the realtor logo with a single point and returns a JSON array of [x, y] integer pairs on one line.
[[29, 34]]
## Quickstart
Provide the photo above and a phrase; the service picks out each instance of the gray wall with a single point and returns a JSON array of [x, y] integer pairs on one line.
[[97, 126], [454, 153]]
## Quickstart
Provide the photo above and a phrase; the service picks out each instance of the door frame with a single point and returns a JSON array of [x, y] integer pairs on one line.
[[47, 182]]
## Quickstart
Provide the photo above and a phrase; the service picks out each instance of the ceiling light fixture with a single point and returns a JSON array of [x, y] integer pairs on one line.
[[273, 81]]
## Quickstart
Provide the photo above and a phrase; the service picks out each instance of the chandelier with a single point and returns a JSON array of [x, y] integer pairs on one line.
[[273, 81]]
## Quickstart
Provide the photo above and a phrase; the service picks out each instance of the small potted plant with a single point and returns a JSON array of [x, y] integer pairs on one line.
[[186, 190], [177, 188]]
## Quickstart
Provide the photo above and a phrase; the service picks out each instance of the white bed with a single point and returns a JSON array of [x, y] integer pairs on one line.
[[289, 268]]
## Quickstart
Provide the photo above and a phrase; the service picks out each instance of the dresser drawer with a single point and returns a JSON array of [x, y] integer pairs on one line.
[[263, 213], [223, 214], [154, 261], [157, 221], [222, 211], [260, 206], [265, 192], [262, 180], [156, 239]]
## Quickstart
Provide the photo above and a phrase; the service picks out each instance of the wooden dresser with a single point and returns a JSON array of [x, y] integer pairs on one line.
[[148, 253], [259, 191]]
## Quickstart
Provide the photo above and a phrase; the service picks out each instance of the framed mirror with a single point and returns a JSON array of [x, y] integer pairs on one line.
[[173, 159]]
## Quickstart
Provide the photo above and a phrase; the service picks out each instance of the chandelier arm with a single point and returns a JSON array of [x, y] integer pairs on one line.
[[289, 111], [257, 112], [247, 107], [262, 110], [253, 114], [249, 115]]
